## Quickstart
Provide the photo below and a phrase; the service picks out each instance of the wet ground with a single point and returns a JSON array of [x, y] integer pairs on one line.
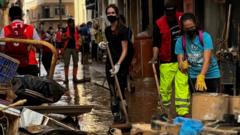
[[141, 103]]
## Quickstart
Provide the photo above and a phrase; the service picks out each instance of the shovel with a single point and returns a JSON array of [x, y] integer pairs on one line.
[[124, 126], [163, 111], [118, 86]]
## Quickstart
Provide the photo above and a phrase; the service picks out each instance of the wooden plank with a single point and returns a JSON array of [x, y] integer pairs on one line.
[[67, 110]]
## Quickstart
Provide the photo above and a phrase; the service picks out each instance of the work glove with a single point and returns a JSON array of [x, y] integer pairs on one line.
[[103, 45], [200, 83], [184, 66], [153, 60], [115, 69]]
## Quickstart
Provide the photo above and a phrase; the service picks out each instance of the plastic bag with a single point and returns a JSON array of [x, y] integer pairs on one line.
[[189, 126], [47, 88]]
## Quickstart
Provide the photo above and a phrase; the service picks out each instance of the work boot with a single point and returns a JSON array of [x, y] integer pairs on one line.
[[158, 117], [119, 117]]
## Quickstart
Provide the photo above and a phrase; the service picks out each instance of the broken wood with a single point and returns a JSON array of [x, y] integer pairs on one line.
[[220, 131], [227, 27], [67, 110]]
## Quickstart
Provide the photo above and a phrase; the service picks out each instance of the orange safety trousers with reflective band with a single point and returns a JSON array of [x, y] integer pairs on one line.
[[18, 29], [169, 75]]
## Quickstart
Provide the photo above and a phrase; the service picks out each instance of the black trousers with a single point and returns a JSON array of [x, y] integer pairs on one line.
[[46, 60], [94, 50], [122, 78], [29, 70], [213, 85]]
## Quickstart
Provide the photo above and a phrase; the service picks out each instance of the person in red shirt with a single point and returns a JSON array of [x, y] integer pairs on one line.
[[46, 52], [165, 34], [58, 39], [71, 48], [26, 54]]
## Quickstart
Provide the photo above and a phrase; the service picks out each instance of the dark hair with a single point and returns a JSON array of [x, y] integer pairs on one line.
[[71, 29], [114, 7], [170, 6], [122, 19], [188, 16], [120, 24], [70, 20], [15, 12]]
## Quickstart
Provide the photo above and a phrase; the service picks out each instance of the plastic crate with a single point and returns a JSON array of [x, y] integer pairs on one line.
[[8, 68]]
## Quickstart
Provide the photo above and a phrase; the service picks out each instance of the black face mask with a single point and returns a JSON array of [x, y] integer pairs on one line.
[[191, 33], [112, 19]]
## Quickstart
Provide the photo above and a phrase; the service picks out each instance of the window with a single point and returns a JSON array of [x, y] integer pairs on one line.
[[57, 11], [46, 11]]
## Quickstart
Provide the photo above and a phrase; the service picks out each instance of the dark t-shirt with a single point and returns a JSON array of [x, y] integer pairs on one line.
[[71, 43], [115, 39], [175, 33]]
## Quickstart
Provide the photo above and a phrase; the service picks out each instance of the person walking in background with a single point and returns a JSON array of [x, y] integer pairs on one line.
[[26, 54], [94, 45], [71, 48], [165, 34], [117, 37], [86, 39], [195, 57], [99, 38], [46, 52], [58, 40]]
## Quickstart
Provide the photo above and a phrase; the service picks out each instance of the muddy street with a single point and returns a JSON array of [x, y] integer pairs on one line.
[[141, 103]]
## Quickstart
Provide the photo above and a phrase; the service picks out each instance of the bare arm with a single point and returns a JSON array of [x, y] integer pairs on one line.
[[124, 51], [206, 61]]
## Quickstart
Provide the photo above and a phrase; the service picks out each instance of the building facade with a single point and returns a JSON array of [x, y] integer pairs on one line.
[[4, 7], [48, 12]]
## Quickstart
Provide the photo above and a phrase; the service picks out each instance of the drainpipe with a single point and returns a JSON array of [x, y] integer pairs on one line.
[[60, 12]]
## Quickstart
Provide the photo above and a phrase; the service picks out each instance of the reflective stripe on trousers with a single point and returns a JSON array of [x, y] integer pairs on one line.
[[169, 74]]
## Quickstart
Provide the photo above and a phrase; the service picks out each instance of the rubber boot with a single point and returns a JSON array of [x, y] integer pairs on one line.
[[66, 74]]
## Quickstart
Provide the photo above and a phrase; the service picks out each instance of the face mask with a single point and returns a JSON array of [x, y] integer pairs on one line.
[[111, 18], [191, 33]]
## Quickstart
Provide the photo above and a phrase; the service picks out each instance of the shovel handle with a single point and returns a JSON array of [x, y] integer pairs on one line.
[[158, 89], [156, 77], [118, 86], [19, 102]]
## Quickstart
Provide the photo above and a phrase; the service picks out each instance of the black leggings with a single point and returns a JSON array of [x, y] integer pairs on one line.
[[213, 85], [122, 79]]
